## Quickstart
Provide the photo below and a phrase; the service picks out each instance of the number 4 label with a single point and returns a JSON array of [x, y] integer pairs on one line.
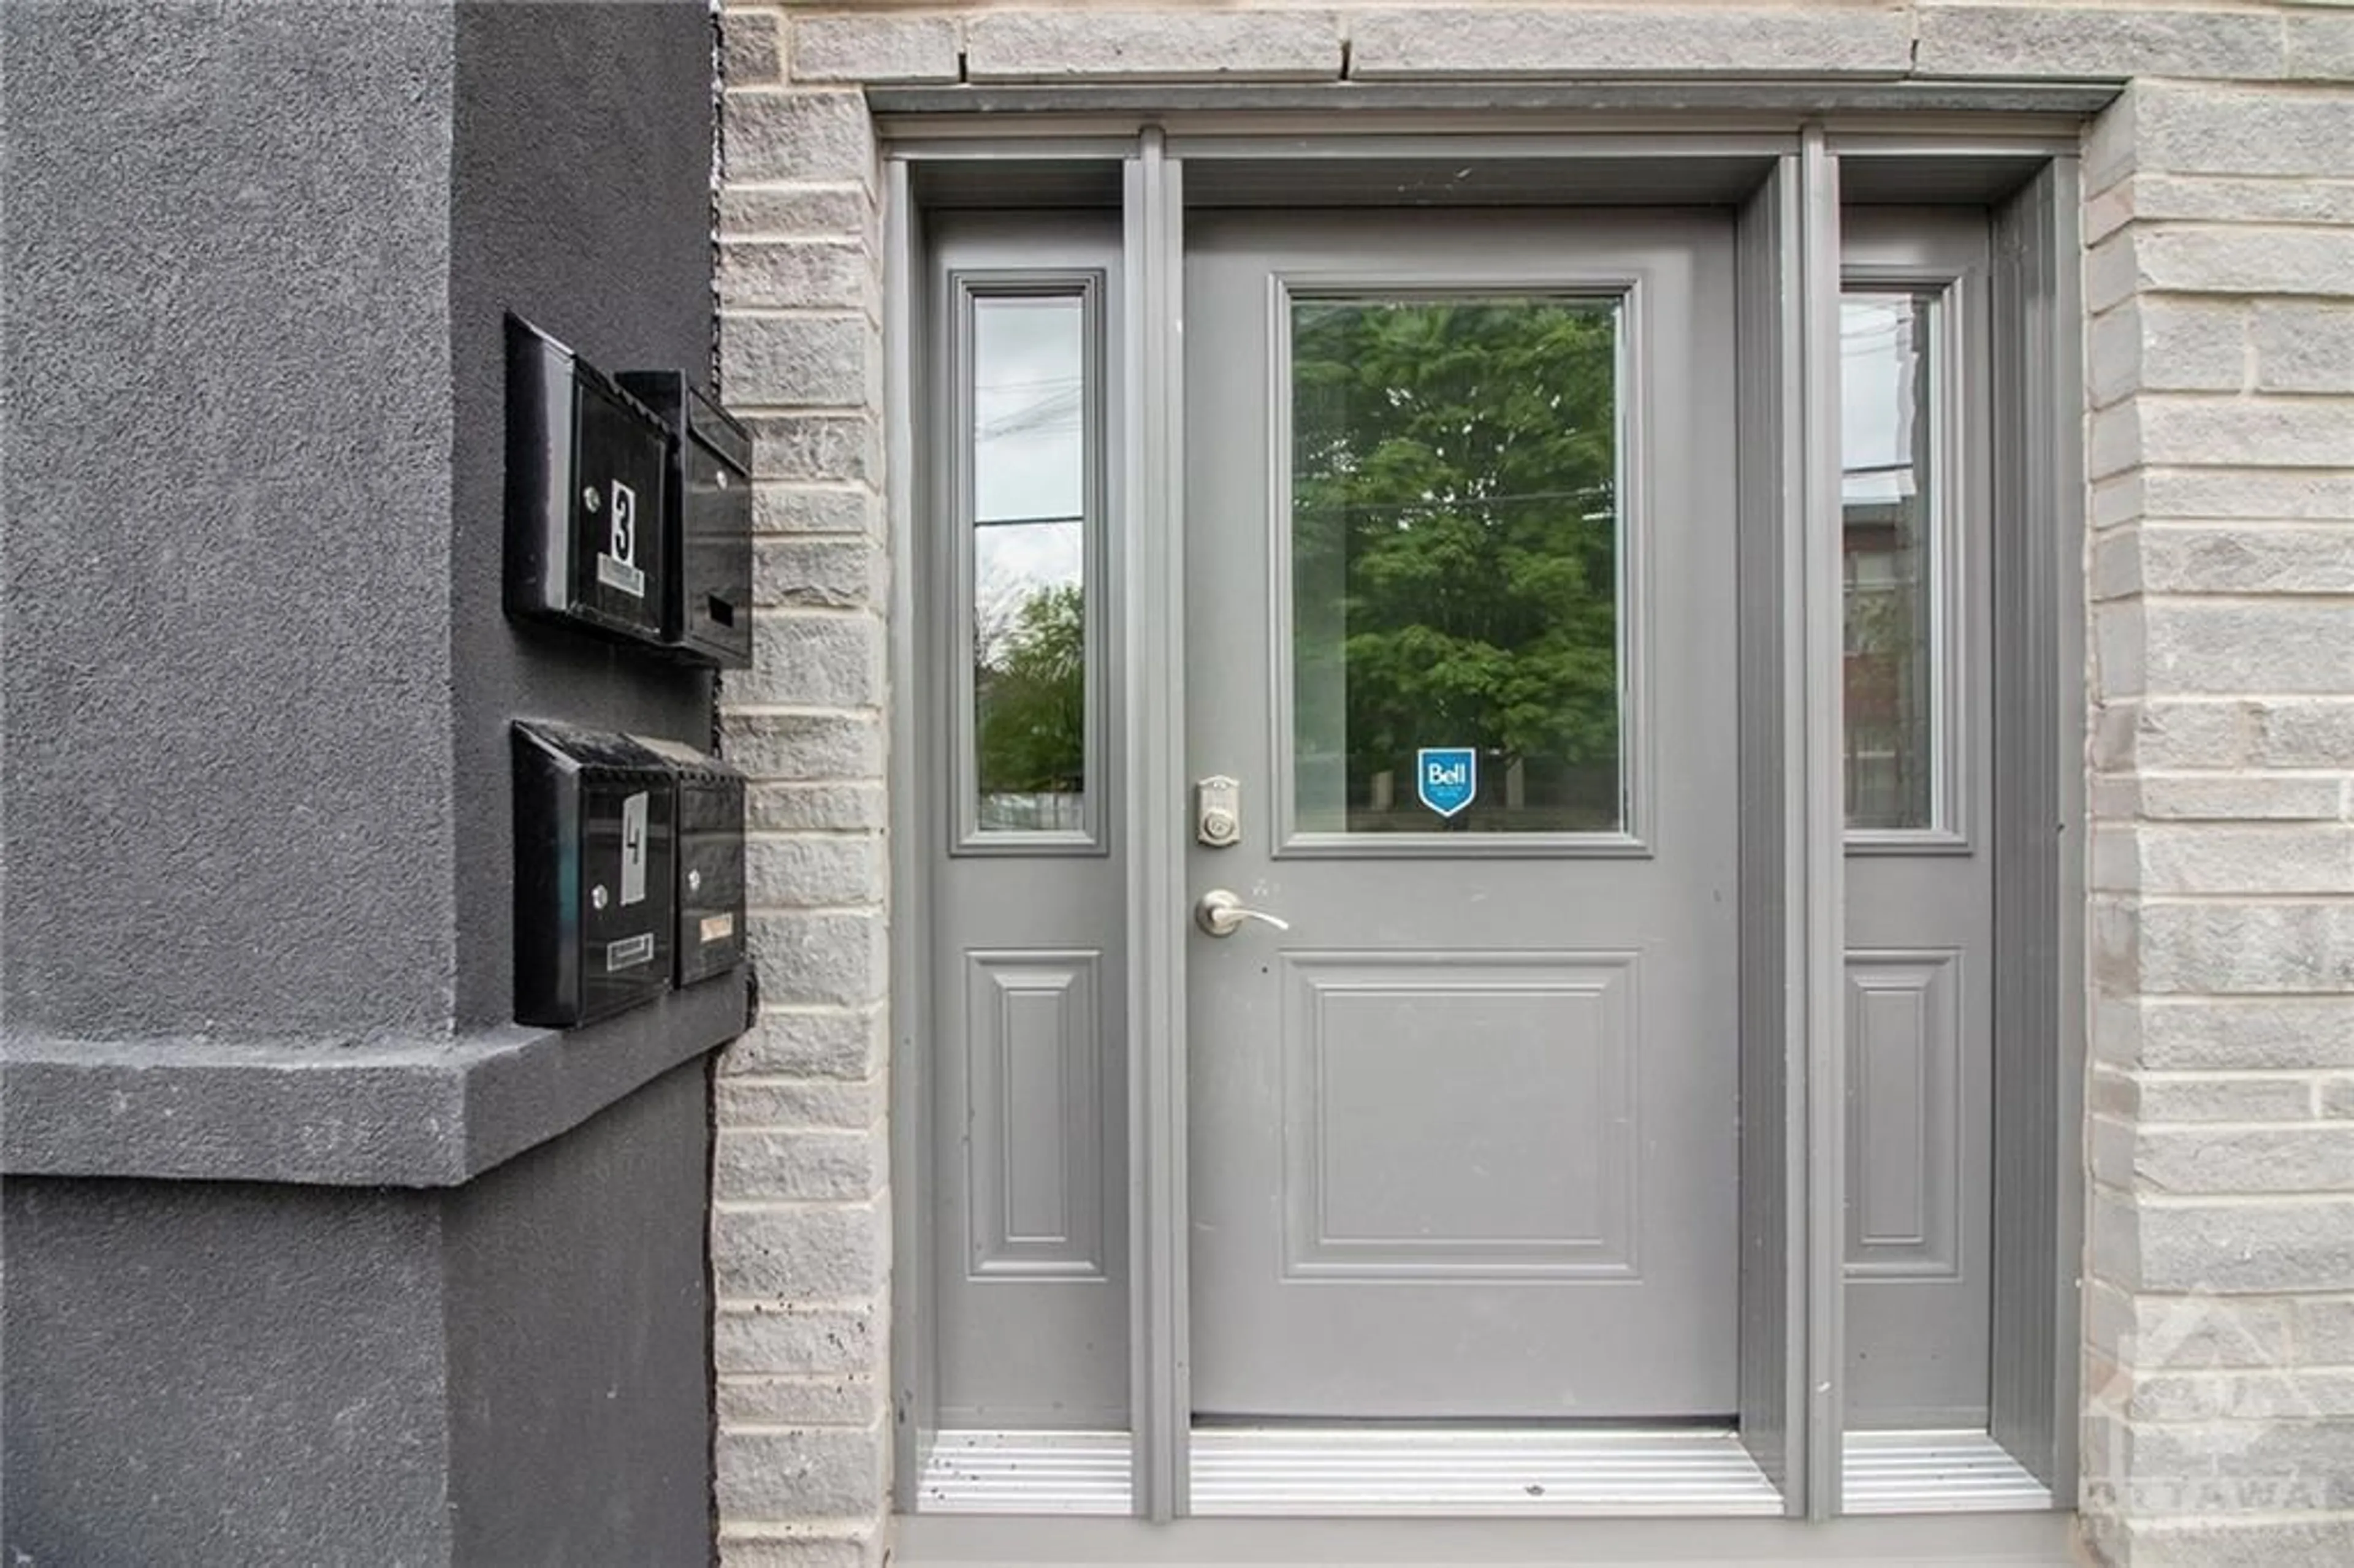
[[633, 849]]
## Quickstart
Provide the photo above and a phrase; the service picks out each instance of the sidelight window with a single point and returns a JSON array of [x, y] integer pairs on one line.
[[1030, 469], [1895, 521]]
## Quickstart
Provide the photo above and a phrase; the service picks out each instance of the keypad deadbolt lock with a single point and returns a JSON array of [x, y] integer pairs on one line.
[[1218, 811]]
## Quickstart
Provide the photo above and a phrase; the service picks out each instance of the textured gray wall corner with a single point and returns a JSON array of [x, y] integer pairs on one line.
[[578, 1323], [205, 1374], [228, 378], [579, 189], [256, 693], [508, 1372], [259, 678]]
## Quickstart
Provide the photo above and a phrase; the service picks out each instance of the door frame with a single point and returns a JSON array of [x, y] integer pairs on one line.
[[2023, 164]]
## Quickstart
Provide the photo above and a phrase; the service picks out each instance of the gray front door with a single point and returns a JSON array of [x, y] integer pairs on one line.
[[1461, 627]]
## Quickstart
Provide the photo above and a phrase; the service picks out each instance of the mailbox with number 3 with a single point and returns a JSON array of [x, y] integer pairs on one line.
[[589, 470]]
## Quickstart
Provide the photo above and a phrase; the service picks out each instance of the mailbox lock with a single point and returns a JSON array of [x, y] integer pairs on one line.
[[597, 897], [590, 499], [695, 882]]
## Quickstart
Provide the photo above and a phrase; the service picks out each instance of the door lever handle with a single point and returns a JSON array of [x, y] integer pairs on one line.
[[1221, 913]]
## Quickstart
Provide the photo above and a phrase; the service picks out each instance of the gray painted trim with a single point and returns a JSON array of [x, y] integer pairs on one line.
[[1793, 97], [1059, 144], [914, 1312], [2019, 1380], [1153, 601], [1790, 868], [2021, 1375], [1773, 1067], [1985, 156], [1559, 145], [2063, 483], [432, 1111], [2039, 837], [1817, 736]]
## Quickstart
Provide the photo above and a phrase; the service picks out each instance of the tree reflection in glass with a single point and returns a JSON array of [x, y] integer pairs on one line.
[[1455, 560], [1029, 607]]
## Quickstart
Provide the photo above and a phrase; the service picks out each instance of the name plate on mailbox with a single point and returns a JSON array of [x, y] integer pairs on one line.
[[710, 861], [595, 873], [589, 481]]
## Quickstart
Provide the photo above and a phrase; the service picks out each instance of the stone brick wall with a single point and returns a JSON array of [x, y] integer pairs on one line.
[[2219, 281], [2220, 290], [801, 1225]]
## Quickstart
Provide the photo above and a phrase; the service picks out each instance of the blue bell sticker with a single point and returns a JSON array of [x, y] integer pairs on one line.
[[1446, 778]]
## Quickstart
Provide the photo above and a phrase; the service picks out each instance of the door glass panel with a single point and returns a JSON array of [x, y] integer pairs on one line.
[[1888, 346], [1030, 486], [1455, 565]]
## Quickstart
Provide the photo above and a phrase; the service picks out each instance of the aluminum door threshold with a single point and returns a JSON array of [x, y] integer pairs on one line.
[[1937, 1472], [1953, 1541], [1045, 1473], [1457, 1473], [1363, 1472]]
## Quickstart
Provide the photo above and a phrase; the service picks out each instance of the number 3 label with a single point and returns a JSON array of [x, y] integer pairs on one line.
[[617, 564], [625, 524]]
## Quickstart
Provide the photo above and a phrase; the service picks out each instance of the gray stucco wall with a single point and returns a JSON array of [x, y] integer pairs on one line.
[[259, 677], [219, 1372], [311, 1256], [510, 1372], [579, 1320], [227, 361], [580, 199]]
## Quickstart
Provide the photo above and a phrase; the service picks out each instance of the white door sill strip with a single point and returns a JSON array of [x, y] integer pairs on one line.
[[1363, 1472], [1272, 1472], [1962, 1541], [1479, 1473], [1082, 1473], [1937, 1472]]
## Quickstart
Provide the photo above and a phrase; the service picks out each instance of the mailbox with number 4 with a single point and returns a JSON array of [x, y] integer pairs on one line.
[[596, 865], [710, 861], [589, 471]]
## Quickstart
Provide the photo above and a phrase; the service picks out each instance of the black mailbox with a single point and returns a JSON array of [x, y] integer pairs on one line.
[[596, 863], [588, 493], [707, 615], [710, 861]]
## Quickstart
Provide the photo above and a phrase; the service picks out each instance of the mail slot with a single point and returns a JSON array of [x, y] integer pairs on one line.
[[710, 861], [595, 869], [707, 531], [587, 495]]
